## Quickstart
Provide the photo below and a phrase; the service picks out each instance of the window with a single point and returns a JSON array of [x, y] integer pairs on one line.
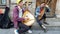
[[2, 2]]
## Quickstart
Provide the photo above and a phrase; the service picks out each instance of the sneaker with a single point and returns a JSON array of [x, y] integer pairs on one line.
[[29, 31], [44, 28], [16, 31]]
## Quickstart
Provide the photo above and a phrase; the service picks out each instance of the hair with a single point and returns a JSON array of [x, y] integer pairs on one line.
[[20, 1]]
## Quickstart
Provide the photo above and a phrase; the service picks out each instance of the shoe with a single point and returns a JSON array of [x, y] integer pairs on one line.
[[29, 31], [46, 23], [44, 28], [16, 31]]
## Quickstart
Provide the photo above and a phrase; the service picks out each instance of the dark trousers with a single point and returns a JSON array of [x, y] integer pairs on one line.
[[38, 21], [44, 18], [30, 27], [22, 27]]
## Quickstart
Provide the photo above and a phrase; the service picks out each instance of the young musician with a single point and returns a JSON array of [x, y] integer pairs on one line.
[[17, 19], [39, 9]]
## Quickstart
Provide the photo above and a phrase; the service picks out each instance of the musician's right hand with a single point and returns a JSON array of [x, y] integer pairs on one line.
[[26, 18], [21, 19], [39, 14]]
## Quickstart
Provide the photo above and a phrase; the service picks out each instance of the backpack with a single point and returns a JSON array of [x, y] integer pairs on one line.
[[5, 21]]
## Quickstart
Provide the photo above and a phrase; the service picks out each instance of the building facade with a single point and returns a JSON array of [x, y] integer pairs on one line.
[[54, 5]]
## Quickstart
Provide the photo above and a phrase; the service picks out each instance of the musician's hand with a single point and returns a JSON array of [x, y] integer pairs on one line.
[[26, 18], [21, 19], [39, 14]]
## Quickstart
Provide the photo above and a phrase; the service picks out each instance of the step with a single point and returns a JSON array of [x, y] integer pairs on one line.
[[11, 31], [51, 21]]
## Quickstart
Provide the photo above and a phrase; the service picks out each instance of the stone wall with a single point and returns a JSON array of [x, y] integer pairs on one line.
[[58, 9]]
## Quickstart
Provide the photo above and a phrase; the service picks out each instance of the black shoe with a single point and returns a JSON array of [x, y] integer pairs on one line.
[[46, 23], [45, 30]]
